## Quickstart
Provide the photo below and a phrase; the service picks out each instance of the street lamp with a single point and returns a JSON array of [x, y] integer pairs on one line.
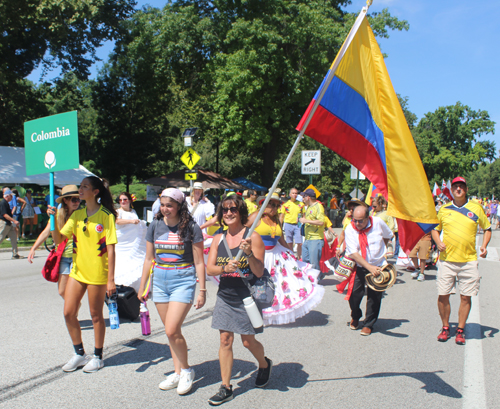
[[188, 136]]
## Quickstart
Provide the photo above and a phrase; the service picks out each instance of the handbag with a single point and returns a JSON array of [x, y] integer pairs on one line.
[[263, 289], [50, 270]]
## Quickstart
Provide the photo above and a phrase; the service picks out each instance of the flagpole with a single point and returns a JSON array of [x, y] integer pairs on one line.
[[328, 80]]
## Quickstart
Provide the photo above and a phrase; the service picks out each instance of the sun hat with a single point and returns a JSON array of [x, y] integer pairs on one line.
[[384, 280], [7, 192], [197, 185], [274, 196], [356, 202], [173, 193], [67, 191]]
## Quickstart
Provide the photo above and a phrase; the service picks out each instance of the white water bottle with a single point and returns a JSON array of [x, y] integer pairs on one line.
[[253, 312]]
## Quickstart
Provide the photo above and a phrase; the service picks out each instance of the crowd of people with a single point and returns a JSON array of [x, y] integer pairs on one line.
[[192, 239]]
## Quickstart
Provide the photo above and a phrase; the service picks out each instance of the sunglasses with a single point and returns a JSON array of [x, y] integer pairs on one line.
[[357, 221], [85, 227], [273, 205], [123, 200], [232, 209], [75, 200]]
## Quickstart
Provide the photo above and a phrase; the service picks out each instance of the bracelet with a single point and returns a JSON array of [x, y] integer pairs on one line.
[[250, 255], [203, 289], [222, 269]]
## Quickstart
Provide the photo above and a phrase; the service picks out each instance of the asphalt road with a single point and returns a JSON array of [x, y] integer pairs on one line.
[[318, 360]]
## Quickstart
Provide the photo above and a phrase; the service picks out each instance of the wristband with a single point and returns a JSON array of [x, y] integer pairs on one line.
[[250, 255]]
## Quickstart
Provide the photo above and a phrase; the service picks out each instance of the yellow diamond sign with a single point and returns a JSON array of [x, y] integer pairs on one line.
[[190, 158], [318, 193]]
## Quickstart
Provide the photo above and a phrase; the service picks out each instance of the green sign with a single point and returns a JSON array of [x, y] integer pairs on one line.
[[51, 143]]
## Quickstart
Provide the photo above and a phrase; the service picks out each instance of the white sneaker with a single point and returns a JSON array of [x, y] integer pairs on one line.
[[421, 277], [329, 266], [415, 274], [171, 382], [94, 365], [185, 382], [75, 362]]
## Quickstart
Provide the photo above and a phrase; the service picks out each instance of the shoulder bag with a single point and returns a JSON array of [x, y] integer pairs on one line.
[[50, 269], [263, 289]]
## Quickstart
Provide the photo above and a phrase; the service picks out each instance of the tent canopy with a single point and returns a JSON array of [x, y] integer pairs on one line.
[[13, 170], [209, 179], [249, 184]]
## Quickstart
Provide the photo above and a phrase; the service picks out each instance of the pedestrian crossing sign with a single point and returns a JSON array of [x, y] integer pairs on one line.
[[190, 158]]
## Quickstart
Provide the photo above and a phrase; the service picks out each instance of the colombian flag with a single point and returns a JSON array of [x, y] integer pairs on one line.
[[360, 118]]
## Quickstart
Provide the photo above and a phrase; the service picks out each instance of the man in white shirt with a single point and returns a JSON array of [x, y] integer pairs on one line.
[[366, 239]]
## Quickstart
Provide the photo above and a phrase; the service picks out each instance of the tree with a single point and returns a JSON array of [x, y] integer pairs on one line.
[[52, 33], [447, 141]]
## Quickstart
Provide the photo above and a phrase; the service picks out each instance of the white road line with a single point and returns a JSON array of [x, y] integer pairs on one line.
[[474, 392]]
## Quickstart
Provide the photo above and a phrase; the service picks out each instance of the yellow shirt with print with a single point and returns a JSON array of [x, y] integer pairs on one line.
[[292, 211], [459, 226], [90, 256], [314, 212], [252, 207]]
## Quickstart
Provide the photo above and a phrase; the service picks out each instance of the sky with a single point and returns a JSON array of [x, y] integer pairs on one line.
[[449, 54]]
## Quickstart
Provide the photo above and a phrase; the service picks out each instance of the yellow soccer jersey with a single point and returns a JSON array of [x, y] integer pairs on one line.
[[90, 256], [459, 226], [252, 207], [314, 212], [386, 218], [328, 223], [292, 210], [346, 222]]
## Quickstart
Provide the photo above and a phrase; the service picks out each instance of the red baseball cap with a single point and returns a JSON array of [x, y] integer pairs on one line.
[[459, 179]]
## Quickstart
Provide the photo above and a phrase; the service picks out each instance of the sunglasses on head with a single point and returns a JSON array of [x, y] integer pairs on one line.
[[232, 209]]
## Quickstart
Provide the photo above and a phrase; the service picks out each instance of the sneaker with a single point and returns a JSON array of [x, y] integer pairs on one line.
[[75, 362], [185, 382], [329, 266], [17, 257], [460, 337], [415, 275], [224, 395], [171, 382], [444, 335], [264, 374], [94, 365], [421, 277]]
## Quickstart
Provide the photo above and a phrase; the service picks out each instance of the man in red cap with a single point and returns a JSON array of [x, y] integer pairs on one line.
[[458, 220]]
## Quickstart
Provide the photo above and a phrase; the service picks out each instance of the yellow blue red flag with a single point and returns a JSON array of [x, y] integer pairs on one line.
[[360, 118]]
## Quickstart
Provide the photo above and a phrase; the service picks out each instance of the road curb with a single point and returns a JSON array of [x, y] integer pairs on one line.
[[19, 249]]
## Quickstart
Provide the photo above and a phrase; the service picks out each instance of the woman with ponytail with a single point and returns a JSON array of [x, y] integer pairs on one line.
[[94, 237]]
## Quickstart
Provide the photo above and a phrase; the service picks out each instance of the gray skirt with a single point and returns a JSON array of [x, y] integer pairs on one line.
[[231, 316]]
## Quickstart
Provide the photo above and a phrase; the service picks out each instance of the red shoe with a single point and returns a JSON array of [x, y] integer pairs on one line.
[[460, 337], [444, 335]]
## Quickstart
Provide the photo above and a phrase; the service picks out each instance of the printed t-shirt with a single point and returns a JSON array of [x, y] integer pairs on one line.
[[252, 207], [493, 208], [459, 226], [90, 255], [5, 209], [314, 212], [292, 210], [169, 249]]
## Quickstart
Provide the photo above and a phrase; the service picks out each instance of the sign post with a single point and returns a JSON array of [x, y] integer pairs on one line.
[[51, 145]]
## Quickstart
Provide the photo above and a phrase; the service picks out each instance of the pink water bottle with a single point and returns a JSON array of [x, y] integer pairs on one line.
[[145, 320]]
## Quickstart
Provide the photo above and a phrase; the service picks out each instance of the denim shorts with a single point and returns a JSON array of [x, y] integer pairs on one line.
[[174, 284], [65, 265], [292, 233]]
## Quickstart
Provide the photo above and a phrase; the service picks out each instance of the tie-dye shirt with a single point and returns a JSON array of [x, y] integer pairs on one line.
[[169, 249]]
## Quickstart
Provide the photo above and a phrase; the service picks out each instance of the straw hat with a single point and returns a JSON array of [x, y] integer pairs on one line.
[[274, 196], [68, 191], [385, 280], [330, 237], [356, 202]]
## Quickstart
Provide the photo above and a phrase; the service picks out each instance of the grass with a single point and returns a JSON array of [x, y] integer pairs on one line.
[[20, 243]]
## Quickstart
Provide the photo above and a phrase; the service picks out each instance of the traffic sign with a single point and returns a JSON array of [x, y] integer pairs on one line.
[[311, 162], [51, 144], [191, 176], [355, 174], [190, 158], [318, 193]]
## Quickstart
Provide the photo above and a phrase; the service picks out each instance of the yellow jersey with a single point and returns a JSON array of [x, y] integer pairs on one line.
[[292, 211], [90, 256], [459, 226], [386, 218], [252, 207], [315, 212]]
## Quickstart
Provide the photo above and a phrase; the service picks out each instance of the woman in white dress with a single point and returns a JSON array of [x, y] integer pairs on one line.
[[199, 206], [131, 247]]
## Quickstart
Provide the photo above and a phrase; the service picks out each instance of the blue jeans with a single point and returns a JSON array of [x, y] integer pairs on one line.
[[311, 252]]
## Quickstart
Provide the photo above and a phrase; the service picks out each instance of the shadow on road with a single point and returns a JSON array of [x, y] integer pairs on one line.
[[384, 326], [432, 383], [145, 352], [472, 329], [311, 319]]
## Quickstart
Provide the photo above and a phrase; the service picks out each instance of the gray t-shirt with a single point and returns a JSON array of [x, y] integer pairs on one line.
[[168, 247]]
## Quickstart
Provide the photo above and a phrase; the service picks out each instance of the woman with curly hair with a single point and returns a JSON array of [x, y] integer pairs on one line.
[[174, 250]]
